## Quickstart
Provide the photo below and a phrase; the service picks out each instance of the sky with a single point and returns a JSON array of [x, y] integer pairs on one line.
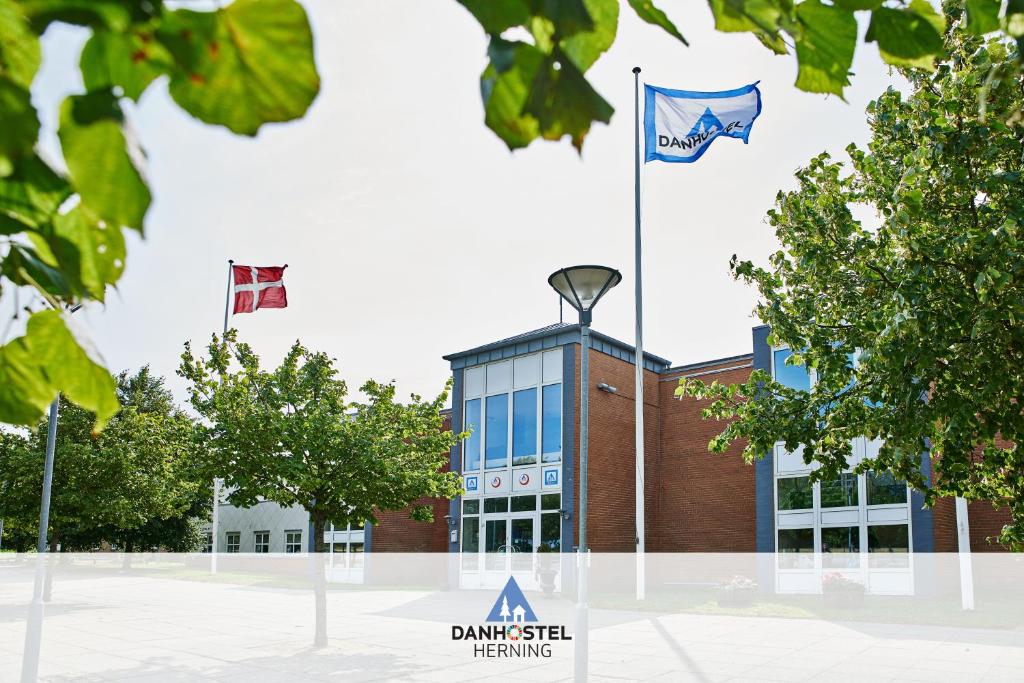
[[409, 228]]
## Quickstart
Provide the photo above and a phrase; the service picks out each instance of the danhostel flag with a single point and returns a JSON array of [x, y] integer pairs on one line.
[[680, 125], [258, 287]]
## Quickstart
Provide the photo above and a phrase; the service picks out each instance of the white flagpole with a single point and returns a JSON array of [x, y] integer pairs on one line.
[[214, 523], [639, 395]]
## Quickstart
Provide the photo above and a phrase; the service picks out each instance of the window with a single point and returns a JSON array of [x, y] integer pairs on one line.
[[551, 423], [885, 489], [840, 546], [261, 541], [471, 459], [233, 541], [293, 541], [492, 505], [841, 492], [797, 542], [795, 493], [888, 545], [792, 376], [496, 447], [550, 501], [471, 507], [524, 503], [470, 538], [209, 542], [524, 427]]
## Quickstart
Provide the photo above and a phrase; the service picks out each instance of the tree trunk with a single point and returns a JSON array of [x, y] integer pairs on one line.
[[319, 527], [127, 559]]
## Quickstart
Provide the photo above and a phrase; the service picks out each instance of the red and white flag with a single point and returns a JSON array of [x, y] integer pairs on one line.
[[258, 287]]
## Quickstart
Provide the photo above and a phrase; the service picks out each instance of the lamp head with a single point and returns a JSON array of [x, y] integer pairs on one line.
[[583, 286]]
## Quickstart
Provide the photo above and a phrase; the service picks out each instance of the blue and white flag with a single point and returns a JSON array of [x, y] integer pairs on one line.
[[680, 125]]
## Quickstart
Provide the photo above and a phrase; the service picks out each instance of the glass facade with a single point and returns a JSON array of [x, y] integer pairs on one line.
[[496, 439], [524, 427], [471, 446], [792, 376], [847, 517], [795, 493], [552, 423]]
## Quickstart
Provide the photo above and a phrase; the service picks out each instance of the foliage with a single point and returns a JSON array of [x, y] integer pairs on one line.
[[62, 233], [291, 436], [929, 302], [536, 87], [136, 485]]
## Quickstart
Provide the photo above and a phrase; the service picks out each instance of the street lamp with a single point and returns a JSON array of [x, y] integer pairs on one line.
[[583, 287]]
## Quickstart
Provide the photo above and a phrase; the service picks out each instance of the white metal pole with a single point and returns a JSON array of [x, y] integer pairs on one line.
[[639, 395], [44, 506], [215, 520], [963, 537]]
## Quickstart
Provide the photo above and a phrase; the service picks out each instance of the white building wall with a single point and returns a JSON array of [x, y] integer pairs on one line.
[[264, 516]]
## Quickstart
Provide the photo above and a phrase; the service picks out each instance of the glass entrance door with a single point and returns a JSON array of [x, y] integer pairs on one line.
[[521, 543], [495, 543]]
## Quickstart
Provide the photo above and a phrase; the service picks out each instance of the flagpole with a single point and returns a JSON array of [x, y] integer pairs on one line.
[[639, 394], [214, 524]]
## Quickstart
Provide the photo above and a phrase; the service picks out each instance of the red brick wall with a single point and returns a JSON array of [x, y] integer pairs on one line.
[[395, 532], [984, 520], [696, 501], [704, 501], [612, 452]]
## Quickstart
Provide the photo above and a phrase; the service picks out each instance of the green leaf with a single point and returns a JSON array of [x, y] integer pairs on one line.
[[244, 65], [564, 103], [116, 15], [584, 47], [747, 15], [88, 252], [19, 125], [496, 17], [49, 359], [25, 392], [127, 60], [825, 47], [646, 10], [907, 37], [102, 170], [30, 196], [28, 267], [72, 365], [19, 46], [982, 16], [855, 5], [505, 87]]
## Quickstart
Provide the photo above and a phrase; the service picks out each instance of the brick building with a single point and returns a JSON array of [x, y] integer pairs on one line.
[[519, 397]]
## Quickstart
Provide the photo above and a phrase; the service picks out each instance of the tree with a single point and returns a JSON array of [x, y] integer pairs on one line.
[[291, 436], [536, 87], [136, 485], [251, 62], [62, 233], [912, 326]]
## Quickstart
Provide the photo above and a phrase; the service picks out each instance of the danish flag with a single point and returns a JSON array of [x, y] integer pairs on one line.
[[258, 287]]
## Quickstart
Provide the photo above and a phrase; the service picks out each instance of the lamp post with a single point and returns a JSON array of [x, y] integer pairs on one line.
[[583, 287]]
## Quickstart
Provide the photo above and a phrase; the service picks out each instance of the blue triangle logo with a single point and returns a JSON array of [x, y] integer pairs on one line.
[[707, 123], [511, 606]]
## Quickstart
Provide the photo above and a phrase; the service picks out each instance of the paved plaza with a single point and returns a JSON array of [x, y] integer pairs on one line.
[[129, 626]]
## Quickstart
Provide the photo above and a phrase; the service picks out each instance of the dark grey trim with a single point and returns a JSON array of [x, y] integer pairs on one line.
[[709, 363], [568, 446], [367, 537], [455, 504], [549, 338], [921, 518], [764, 474]]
